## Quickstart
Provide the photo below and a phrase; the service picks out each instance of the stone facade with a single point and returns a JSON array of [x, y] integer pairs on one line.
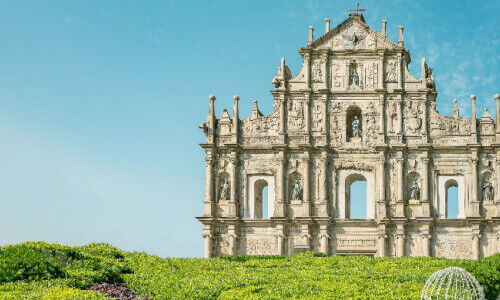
[[353, 112]]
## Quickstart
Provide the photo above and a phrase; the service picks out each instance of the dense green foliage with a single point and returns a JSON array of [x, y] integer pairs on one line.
[[51, 271]]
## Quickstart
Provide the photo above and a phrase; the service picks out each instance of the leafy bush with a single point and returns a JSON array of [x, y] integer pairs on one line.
[[80, 267], [51, 271]]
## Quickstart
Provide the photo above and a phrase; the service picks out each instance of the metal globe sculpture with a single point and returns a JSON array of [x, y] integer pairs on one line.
[[452, 283]]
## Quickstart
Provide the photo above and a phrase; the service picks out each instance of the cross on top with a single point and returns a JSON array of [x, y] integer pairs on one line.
[[357, 10]]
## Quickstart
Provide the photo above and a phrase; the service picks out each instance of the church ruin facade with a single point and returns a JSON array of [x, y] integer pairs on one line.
[[352, 113]]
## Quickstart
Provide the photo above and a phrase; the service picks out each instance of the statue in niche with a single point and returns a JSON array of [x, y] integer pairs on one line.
[[414, 190], [296, 190], [487, 190], [355, 130], [353, 75], [224, 189]]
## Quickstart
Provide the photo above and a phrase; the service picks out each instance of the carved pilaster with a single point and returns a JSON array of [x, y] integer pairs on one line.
[[324, 239], [324, 69], [381, 71], [306, 206], [323, 185], [208, 204], [426, 213], [400, 116], [400, 186], [381, 128], [208, 236], [476, 245], [381, 203], [400, 72], [307, 112], [334, 210], [497, 186], [382, 241], [473, 209], [234, 187], [425, 237], [282, 111], [307, 69], [279, 209], [400, 237], [232, 239]]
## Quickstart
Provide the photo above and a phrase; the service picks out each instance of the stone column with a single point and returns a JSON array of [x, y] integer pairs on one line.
[[476, 246], [208, 236], [380, 85], [208, 204], [426, 210], [306, 206], [473, 119], [236, 118], [280, 239], [307, 112], [307, 67], [324, 239], [382, 209], [282, 112], [232, 237], [324, 67], [423, 131], [497, 118], [473, 207], [426, 239], [381, 240], [333, 211], [400, 184], [323, 183], [400, 72], [279, 209], [497, 187], [324, 112], [211, 119], [400, 236], [400, 116], [234, 187], [381, 116]]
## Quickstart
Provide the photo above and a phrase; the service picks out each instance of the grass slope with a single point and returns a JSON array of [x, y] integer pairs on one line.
[[40, 270]]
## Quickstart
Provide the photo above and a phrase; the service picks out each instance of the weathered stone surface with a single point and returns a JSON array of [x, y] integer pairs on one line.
[[353, 112]]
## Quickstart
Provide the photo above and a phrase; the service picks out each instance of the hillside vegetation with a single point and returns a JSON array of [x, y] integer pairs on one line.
[[39, 270]]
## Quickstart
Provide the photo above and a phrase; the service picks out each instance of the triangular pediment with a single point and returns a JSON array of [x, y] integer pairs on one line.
[[352, 34]]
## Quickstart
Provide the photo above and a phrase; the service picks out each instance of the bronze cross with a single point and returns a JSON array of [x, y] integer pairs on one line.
[[357, 10]]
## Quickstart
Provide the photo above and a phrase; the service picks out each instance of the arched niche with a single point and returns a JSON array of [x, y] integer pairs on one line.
[[441, 202], [353, 115], [295, 183], [487, 189], [413, 187], [223, 186], [346, 178], [253, 206]]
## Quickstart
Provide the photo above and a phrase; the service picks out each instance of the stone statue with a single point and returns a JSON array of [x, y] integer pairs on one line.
[[487, 190], [296, 190], [355, 130], [353, 75], [224, 189], [414, 190]]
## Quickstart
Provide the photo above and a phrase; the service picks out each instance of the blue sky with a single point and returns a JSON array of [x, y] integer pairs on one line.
[[100, 101]]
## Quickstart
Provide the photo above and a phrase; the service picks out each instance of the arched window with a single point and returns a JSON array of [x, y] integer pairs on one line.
[[356, 197], [451, 187], [353, 123], [260, 197]]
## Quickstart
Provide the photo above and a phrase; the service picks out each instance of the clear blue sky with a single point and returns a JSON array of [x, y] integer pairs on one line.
[[100, 101]]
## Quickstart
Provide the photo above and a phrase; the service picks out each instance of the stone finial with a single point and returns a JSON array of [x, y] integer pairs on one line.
[[384, 27], [311, 37], [211, 97], [456, 112], [327, 25], [497, 96], [236, 98], [473, 97], [255, 111], [401, 42], [486, 114]]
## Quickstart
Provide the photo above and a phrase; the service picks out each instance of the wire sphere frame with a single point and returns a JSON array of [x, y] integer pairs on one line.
[[452, 283]]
